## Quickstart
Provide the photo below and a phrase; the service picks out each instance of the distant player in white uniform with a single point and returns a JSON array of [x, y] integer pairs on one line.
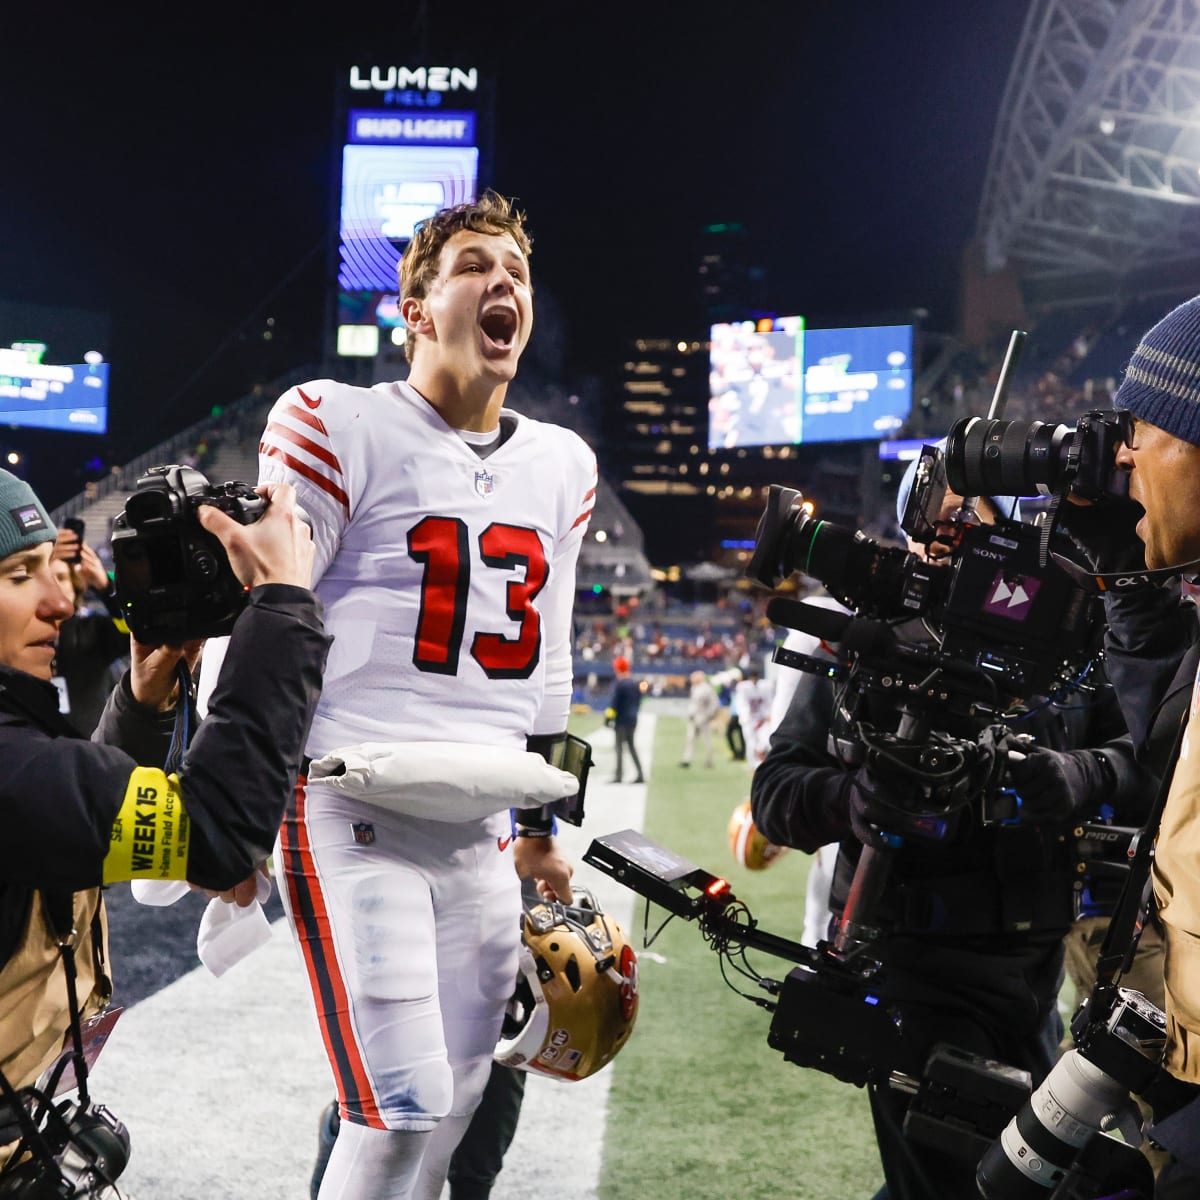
[[753, 699], [447, 531]]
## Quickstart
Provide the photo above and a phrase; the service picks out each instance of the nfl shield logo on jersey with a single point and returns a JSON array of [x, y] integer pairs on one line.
[[485, 483], [364, 832]]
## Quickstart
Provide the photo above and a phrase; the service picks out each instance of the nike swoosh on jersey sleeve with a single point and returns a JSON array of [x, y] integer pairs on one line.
[[300, 441]]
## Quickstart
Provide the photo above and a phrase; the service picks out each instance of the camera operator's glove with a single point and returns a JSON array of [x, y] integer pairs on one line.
[[1053, 784], [1106, 534], [877, 803]]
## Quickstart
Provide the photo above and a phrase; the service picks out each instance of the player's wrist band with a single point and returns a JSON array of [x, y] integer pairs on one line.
[[533, 822]]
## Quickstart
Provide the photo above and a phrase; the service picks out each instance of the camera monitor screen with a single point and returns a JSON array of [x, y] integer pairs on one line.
[[47, 396], [774, 382]]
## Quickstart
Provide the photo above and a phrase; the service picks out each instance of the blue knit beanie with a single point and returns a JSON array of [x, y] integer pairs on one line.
[[24, 522], [1162, 381], [1006, 506]]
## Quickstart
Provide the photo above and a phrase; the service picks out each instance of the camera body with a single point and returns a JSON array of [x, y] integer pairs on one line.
[[89, 1148], [173, 578]]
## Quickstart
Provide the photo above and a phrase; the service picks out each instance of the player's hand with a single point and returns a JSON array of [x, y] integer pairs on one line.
[[540, 859], [243, 894], [152, 676], [277, 548]]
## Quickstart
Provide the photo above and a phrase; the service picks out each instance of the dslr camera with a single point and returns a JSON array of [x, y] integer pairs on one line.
[[173, 578], [1026, 458]]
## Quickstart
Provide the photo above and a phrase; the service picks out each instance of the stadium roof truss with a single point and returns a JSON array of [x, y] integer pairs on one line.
[[1095, 166]]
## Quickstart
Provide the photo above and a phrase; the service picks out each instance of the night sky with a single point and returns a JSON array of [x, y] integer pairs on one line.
[[175, 170]]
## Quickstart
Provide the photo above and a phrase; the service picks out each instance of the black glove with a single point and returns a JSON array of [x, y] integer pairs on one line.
[[1054, 784], [1106, 534], [875, 802]]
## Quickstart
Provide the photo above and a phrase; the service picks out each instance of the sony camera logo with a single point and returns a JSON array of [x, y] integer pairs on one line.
[[425, 79]]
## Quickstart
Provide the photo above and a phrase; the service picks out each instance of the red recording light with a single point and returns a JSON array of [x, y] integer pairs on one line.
[[718, 887]]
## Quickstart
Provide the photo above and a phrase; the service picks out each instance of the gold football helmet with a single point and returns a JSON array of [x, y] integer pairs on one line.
[[750, 848], [577, 991]]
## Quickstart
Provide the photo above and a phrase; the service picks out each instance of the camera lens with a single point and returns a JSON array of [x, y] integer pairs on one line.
[[1006, 458], [1039, 1143]]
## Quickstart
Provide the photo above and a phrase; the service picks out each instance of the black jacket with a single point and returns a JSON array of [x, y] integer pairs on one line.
[[60, 794], [1153, 650]]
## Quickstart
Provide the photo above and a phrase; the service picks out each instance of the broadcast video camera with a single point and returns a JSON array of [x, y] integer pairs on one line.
[[1001, 630], [173, 578]]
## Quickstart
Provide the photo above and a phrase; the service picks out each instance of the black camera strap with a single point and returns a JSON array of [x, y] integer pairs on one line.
[[1125, 927], [31, 1135], [60, 916], [59, 908]]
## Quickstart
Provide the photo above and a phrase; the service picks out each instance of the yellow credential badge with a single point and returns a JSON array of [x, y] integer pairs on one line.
[[150, 834]]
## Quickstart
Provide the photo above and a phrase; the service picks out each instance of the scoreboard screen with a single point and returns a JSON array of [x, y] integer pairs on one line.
[[773, 382], [41, 395], [413, 141]]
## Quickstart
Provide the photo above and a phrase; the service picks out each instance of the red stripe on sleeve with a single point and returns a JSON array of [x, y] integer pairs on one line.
[[314, 448], [309, 473]]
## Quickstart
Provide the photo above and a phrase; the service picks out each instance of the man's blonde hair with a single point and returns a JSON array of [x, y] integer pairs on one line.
[[492, 214]]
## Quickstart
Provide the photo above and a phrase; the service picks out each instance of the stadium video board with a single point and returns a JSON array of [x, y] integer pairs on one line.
[[411, 145], [41, 395], [773, 382]]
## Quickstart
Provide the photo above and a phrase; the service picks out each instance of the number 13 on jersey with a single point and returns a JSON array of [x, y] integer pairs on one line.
[[442, 545]]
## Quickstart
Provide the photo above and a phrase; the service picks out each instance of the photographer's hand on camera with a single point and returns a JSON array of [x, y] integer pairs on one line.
[[877, 803], [277, 548], [1105, 533], [1055, 784], [152, 672]]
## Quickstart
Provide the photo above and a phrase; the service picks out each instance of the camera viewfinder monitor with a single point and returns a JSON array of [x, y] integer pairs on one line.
[[772, 382]]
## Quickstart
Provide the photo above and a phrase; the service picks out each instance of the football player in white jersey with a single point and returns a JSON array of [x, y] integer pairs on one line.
[[447, 531]]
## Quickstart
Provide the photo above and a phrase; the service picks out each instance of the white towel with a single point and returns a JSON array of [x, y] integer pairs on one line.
[[228, 932], [442, 781]]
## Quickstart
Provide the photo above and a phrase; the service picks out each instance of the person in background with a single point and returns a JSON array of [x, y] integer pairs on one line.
[[624, 705], [752, 697], [94, 641], [704, 706]]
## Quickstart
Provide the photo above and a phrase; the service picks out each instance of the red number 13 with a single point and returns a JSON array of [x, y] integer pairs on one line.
[[440, 543]]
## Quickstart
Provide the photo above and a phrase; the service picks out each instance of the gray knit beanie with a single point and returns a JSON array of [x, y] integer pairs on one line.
[[24, 523], [1162, 381]]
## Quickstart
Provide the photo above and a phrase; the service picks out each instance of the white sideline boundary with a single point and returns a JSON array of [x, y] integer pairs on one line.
[[221, 1081]]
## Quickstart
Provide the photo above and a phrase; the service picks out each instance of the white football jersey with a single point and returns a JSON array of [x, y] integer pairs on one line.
[[448, 580]]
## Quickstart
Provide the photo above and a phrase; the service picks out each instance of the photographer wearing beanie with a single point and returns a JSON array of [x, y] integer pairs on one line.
[[1152, 649], [75, 815]]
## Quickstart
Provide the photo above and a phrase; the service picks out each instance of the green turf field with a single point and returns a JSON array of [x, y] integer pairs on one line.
[[701, 1107]]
